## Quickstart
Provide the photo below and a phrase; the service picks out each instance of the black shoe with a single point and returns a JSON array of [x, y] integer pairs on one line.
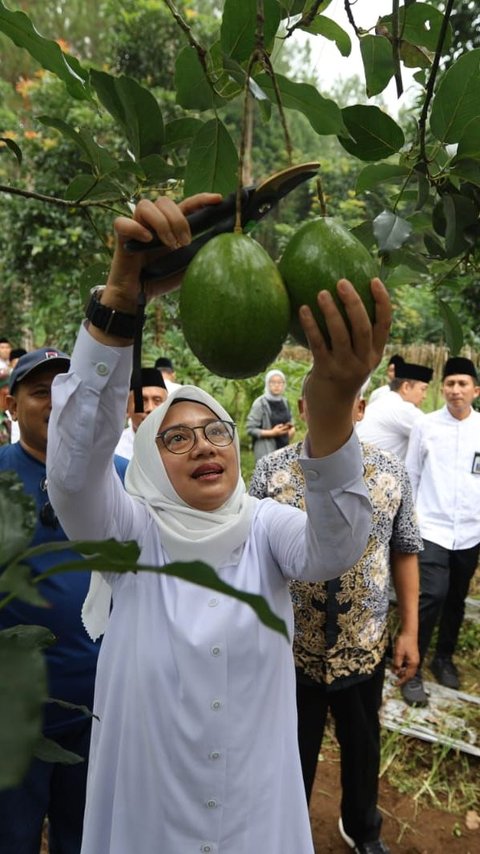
[[374, 847], [413, 692], [445, 672]]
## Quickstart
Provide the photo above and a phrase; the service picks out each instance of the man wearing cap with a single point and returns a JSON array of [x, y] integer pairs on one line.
[[154, 392], [165, 365], [389, 419], [393, 366], [443, 462], [49, 789]]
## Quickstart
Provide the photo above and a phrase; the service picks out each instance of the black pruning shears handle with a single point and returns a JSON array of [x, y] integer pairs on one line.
[[256, 202]]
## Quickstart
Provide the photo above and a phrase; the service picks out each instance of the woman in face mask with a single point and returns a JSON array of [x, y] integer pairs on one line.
[[194, 743], [269, 422]]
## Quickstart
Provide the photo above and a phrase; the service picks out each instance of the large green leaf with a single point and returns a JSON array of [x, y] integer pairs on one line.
[[469, 143], [23, 683], [419, 24], [239, 24], [84, 187], [460, 213], [194, 92], [180, 132], [134, 108], [98, 158], [453, 328], [467, 169], [18, 517], [380, 173], [457, 100], [373, 134], [377, 61], [9, 143], [322, 26], [19, 28], [323, 114], [213, 162]]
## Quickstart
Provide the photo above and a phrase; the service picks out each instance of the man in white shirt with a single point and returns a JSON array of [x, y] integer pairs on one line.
[[389, 419], [154, 393], [443, 462], [165, 365], [393, 369]]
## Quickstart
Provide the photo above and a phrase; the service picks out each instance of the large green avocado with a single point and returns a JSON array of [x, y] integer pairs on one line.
[[234, 307], [319, 254]]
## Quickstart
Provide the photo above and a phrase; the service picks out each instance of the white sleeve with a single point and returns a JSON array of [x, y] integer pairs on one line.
[[335, 533], [414, 458], [88, 413]]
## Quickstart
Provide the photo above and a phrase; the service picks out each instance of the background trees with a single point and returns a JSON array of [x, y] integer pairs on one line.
[[149, 97]]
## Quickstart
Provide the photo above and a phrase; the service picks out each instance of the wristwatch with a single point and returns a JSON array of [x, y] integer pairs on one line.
[[109, 319]]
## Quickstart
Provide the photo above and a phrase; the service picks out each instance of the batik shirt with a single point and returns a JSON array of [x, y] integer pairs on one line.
[[341, 630]]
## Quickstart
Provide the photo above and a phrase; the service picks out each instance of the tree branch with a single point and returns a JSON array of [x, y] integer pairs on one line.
[[54, 200], [422, 122], [306, 20]]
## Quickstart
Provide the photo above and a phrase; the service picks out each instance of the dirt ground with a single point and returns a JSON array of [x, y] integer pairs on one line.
[[406, 829]]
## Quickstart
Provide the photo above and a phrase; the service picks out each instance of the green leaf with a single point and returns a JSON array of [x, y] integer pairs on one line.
[[323, 114], [379, 173], [330, 30], [194, 92], [239, 24], [156, 170], [9, 143], [460, 213], [24, 687], [467, 170], [391, 231], [213, 162], [17, 580], [93, 154], [373, 134], [378, 63], [49, 751], [134, 108], [180, 132], [419, 24], [456, 102], [469, 144], [453, 328], [89, 187], [18, 517], [415, 57], [18, 27]]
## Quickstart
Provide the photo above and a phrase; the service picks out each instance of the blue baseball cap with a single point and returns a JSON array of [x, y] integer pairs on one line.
[[36, 359]]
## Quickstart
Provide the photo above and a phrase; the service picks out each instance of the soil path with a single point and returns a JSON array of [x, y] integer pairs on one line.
[[406, 829]]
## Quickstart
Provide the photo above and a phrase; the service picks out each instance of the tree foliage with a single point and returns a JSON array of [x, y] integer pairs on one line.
[[153, 100]]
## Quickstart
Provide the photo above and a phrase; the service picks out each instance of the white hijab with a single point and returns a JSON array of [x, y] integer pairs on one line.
[[186, 533]]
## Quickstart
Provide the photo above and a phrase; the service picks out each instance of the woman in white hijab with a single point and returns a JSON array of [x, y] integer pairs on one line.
[[194, 747], [269, 422]]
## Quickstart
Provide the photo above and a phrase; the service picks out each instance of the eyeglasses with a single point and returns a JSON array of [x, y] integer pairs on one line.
[[180, 439], [47, 514]]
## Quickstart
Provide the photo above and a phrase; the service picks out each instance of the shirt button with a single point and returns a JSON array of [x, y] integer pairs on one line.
[[311, 474], [215, 754], [216, 705], [212, 603], [215, 650], [102, 369], [206, 849], [211, 804]]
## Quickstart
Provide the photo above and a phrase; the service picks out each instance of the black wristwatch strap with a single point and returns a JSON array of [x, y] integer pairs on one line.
[[109, 319]]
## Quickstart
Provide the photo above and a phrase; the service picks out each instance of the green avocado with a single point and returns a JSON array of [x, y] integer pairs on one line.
[[234, 307], [320, 253]]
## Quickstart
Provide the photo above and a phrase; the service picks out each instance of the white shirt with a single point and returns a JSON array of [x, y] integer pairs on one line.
[[447, 493], [387, 423], [195, 749], [125, 443], [378, 392], [171, 386]]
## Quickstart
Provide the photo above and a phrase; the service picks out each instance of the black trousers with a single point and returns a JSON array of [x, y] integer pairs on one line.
[[445, 577], [357, 728]]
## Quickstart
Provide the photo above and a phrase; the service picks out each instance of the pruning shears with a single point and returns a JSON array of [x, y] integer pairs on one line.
[[256, 201]]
